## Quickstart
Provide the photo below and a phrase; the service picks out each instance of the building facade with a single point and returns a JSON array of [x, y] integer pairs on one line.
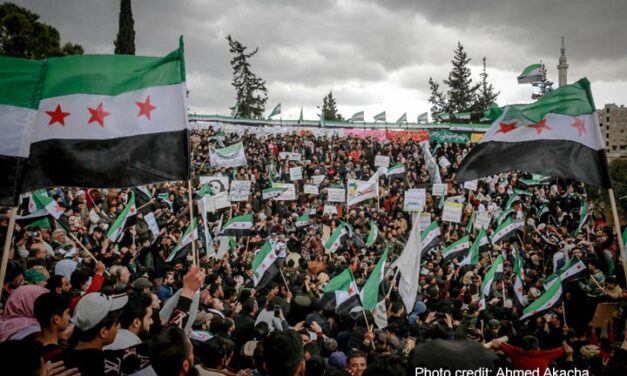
[[613, 122]]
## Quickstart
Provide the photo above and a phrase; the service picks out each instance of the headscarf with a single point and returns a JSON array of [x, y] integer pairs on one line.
[[19, 312]]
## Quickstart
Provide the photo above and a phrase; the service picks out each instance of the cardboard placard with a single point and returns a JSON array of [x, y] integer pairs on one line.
[[240, 190], [439, 189], [336, 195], [294, 157], [452, 212], [310, 189], [482, 221], [317, 179], [425, 219], [289, 194], [471, 184], [296, 173], [603, 314], [414, 199], [381, 161], [329, 209]]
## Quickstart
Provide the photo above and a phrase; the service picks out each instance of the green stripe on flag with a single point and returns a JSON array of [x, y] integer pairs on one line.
[[75, 74], [373, 234], [340, 282], [23, 77], [548, 300], [370, 292]]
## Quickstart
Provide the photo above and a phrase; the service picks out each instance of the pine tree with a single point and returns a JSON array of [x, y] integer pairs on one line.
[[125, 41], [486, 94], [329, 108], [437, 99], [461, 91], [250, 91]]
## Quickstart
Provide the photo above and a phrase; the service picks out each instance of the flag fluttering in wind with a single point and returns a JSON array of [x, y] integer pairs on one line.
[[423, 118], [303, 220], [430, 237], [472, 257], [230, 156], [107, 120], [457, 249], [341, 293], [184, 246], [379, 117], [275, 111], [506, 230], [359, 190], [408, 264], [357, 116], [583, 215], [519, 275], [402, 119], [45, 202], [272, 192], [335, 240], [550, 299], [559, 135], [396, 171], [497, 267], [264, 266], [371, 293], [300, 118], [530, 74], [120, 223], [575, 269], [238, 226], [372, 235]]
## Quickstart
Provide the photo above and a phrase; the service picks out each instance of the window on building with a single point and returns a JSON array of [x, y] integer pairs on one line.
[[607, 144], [607, 110], [607, 119], [613, 147]]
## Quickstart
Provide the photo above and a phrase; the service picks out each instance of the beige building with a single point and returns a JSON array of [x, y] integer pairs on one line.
[[613, 122]]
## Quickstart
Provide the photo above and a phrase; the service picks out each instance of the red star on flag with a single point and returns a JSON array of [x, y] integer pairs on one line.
[[57, 116], [507, 127], [540, 126], [97, 115], [145, 108], [263, 265], [58, 207], [579, 125], [132, 210], [350, 290]]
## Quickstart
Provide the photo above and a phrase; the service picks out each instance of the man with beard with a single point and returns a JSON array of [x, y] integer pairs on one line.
[[135, 321]]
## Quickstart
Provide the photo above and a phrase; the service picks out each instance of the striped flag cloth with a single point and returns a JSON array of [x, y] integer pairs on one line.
[[341, 293], [379, 117], [119, 225], [372, 235], [107, 121], [303, 220], [335, 240], [372, 293], [430, 237], [184, 246], [472, 257], [550, 299], [519, 279], [238, 226], [575, 269], [230, 156], [402, 119], [506, 230], [272, 192], [583, 215], [535, 138], [486, 286], [457, 249], [396, 171], [357, 116], [275, 111], [264, 266], [532, 73]]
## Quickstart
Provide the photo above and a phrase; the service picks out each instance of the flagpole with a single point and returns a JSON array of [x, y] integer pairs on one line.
[[86, 250], [7, 244], [618, 233], [191, 222]]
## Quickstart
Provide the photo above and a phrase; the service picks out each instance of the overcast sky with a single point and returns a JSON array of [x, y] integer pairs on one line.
[[374, 55]]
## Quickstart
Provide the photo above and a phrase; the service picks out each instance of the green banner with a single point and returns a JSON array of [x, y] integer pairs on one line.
[[445, 136]]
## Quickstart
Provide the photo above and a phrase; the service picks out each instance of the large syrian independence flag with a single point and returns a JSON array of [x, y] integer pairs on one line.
[[372, 292], [472, 257], [230, 156], [506, 230], [110, 121], [532, 73], [457, 249], [341, 293], [430, 237], [272, 192], [184, 246], [486, 286], [550, 299], [238, 226], [335, 240], [19, 101], [559, 135], [264, 266], [408, 264], [519, 279], [373, 234], [119, 225], [575, 269], [303, 220]]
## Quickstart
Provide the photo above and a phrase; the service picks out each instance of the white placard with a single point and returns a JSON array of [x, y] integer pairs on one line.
[[310, 189], [336, 195], [284, 154], [414, 199], [439, 189], [381, 161], [452, 212], [482, 220], [215, 202], [240, 190], [294, 157], [471, 184], [288, 195], [296, 173], [329, 209], [317, 179], [217, 183], [425, 219]]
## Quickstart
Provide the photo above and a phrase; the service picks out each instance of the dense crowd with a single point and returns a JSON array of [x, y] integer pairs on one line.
[[120, 307]]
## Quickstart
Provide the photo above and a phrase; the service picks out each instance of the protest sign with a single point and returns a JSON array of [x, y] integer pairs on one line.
[[240, 190], [217, 183], [310, 189], [452, 212], [317, 179], [482, 220], [439, 189], [414, 199], [381, 161], [336, 195], [471, 184], [296, 173]]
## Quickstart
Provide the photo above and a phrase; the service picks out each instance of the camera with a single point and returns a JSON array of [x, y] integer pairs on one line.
[[277, 310]]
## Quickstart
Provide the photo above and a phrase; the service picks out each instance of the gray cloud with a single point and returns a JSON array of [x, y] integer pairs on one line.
[[374, 54]]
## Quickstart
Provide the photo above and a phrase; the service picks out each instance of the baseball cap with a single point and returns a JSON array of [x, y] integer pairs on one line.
[[94, 307]]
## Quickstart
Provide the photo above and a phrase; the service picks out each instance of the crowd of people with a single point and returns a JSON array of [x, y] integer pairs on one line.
[[76, 302]]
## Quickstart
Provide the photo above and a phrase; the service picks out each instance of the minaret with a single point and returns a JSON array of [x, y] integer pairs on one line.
[[562, 67]]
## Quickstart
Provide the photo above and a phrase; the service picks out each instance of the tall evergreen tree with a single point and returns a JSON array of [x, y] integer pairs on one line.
[[437, 99], [250, 91], [329, 108], [23, 35], [125, 41], [486, 94], [461, 91]]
